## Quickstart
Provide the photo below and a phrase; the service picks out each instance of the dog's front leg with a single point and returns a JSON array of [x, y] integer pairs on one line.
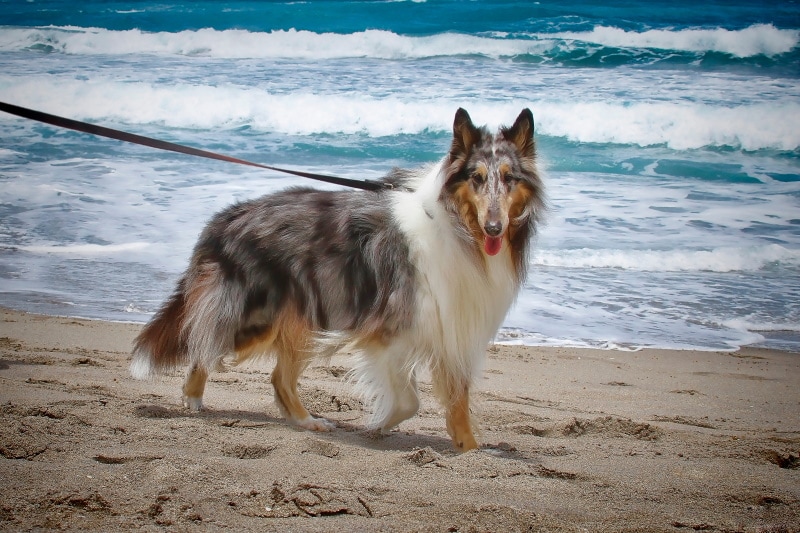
[[459, 423], [453, 392]]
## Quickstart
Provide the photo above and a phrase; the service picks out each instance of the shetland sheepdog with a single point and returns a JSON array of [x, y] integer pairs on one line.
[[417, 275]]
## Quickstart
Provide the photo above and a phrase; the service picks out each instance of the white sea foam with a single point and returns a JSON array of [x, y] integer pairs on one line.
[[239, 44], [727, 259], [6, 153], [678, 125], [761, 325], [758, 39], [86, 249]]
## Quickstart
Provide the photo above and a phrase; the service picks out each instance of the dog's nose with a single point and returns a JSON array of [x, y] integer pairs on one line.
[[493, 228]]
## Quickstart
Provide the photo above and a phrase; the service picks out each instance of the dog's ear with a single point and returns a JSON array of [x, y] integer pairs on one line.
[[521, 134], [465, 134]]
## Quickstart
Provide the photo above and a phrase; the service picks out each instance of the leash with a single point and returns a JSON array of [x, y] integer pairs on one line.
[[85, 127]]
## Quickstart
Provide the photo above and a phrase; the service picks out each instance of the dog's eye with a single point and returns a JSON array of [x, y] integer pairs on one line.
[[476, 178], [510, 179]]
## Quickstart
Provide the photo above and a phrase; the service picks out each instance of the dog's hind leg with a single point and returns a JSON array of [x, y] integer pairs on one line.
[[194, 386], [292, 345], [284, 379], [211, 313]]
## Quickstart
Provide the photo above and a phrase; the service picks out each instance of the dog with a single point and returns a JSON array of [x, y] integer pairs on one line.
[[420, 274]]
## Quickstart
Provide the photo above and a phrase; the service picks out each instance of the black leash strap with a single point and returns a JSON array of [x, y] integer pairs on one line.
[[84, 127]]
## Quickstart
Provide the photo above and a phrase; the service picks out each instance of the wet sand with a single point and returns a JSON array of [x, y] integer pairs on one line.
[[573, 440]]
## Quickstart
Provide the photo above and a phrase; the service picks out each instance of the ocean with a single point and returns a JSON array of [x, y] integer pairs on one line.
[[668, 134]]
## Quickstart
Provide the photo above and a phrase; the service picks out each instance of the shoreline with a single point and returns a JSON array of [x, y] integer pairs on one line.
[[623, 348], [572, 439]]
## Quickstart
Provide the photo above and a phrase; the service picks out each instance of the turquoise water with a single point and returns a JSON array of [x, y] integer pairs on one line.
[[667, 133]]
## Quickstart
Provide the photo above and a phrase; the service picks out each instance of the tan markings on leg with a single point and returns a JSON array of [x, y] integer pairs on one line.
[[293, 347], [193, 388], [454, 395], [459, 424]]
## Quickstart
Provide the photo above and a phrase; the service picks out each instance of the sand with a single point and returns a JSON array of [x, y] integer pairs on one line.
[[573, 440]]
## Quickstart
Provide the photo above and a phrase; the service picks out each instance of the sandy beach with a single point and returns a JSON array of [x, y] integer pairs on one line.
[[573, 440]]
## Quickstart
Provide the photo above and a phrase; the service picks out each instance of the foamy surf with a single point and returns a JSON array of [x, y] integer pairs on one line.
[[728, 259], [680, 125], [86, 249], [757, 39]]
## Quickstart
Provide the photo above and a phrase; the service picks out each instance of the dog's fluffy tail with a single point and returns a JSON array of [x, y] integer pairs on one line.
[[161, 346]]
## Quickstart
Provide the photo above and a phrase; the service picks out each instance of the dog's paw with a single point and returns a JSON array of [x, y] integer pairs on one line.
[[193, 404], [313, 423]]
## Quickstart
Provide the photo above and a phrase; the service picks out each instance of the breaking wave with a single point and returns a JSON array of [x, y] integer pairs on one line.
[[758, 39], [678, 125], [716, 260]]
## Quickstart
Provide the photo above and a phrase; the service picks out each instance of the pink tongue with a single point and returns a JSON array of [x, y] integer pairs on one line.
[[492, 245]]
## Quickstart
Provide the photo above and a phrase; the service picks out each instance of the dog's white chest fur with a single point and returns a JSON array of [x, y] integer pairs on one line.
[[460, 301]]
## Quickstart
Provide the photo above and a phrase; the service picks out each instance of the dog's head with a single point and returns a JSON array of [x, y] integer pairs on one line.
[[492, 187]]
